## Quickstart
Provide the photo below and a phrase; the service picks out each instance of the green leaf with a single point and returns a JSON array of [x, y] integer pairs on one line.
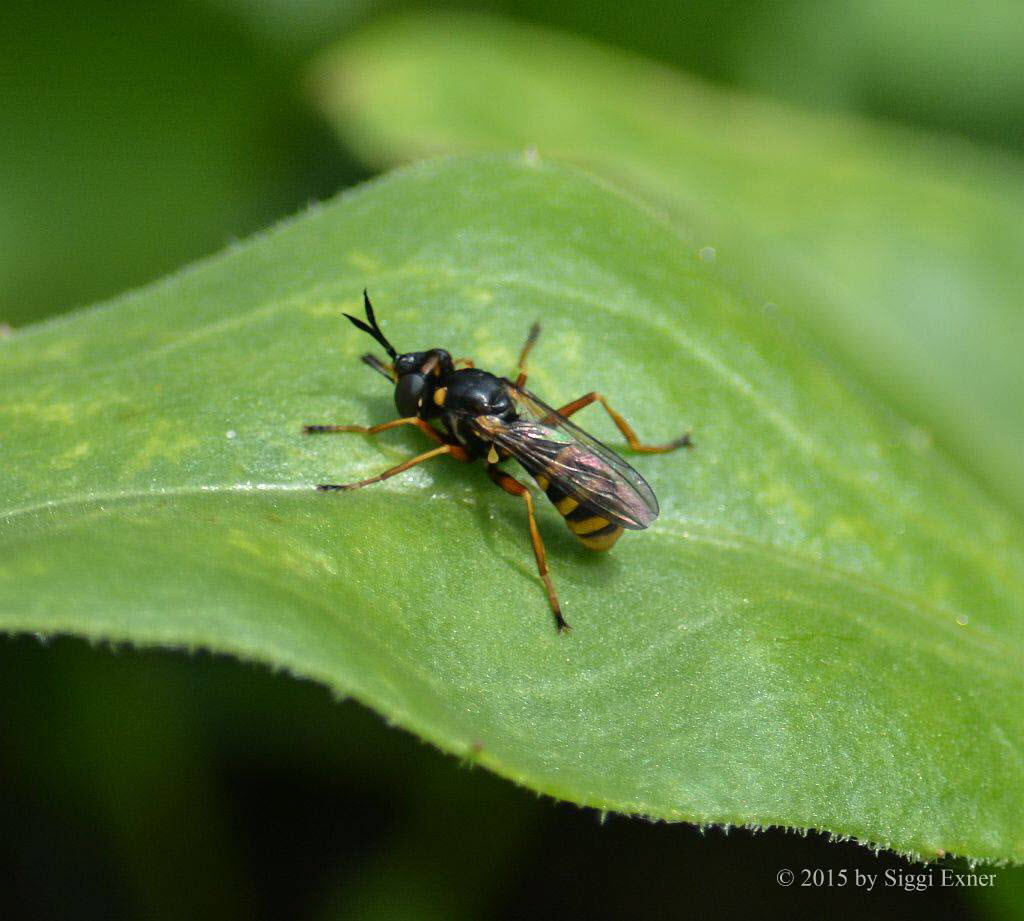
[[821, 630], [903, 251]]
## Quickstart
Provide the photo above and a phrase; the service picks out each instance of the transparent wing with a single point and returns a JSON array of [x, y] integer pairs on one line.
[[548, 444]]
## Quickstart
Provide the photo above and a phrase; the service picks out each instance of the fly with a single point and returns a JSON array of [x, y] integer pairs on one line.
[[471, 414]]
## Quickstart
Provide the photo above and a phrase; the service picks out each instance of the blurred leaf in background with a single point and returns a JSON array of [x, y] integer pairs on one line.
[[115, 112], [948, 65], [931, 63]]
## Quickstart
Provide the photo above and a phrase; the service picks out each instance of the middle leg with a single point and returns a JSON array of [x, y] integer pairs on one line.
[[531, 340], [455, 451]]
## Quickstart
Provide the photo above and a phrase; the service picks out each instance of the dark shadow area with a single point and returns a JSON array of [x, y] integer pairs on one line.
[[165, 785]]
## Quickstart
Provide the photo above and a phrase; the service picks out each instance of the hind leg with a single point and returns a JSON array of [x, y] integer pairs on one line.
[[514, 488]]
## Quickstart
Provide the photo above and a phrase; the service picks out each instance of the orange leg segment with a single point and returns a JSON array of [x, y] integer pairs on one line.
[[455, 451], [514, 488], [531, 340], [623, 426], [424, 427]]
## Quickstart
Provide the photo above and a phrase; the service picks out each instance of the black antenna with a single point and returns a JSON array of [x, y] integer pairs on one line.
[[373, 329]]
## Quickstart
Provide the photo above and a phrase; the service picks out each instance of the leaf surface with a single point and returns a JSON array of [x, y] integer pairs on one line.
[[821, 630], [901, 250]]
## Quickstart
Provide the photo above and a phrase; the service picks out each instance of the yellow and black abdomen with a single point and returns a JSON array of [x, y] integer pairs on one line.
[[593, 530]]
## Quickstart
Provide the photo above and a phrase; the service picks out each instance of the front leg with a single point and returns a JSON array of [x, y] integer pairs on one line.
[[424, 427], [374, 362]]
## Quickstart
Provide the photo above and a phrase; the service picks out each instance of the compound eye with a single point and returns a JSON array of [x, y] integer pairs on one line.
[[409, 393]]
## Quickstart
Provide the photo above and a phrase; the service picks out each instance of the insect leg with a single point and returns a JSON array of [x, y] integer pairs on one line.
[[465, 362], [424, 427], [374, 362], [623, 426], [455, 451], [513, 487], [531, 339]]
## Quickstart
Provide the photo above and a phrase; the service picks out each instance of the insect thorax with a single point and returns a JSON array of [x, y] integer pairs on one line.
[[469, 393]]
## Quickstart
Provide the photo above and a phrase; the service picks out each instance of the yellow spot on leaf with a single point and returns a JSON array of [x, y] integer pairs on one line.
[[164, 443]]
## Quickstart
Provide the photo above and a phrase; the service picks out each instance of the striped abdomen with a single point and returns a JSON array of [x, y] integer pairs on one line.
[[593, 530]]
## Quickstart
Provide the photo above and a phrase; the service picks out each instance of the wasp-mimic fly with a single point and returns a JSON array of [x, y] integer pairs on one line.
[[474, 414]]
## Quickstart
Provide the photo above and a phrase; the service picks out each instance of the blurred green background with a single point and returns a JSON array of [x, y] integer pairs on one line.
[[137, 137]]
